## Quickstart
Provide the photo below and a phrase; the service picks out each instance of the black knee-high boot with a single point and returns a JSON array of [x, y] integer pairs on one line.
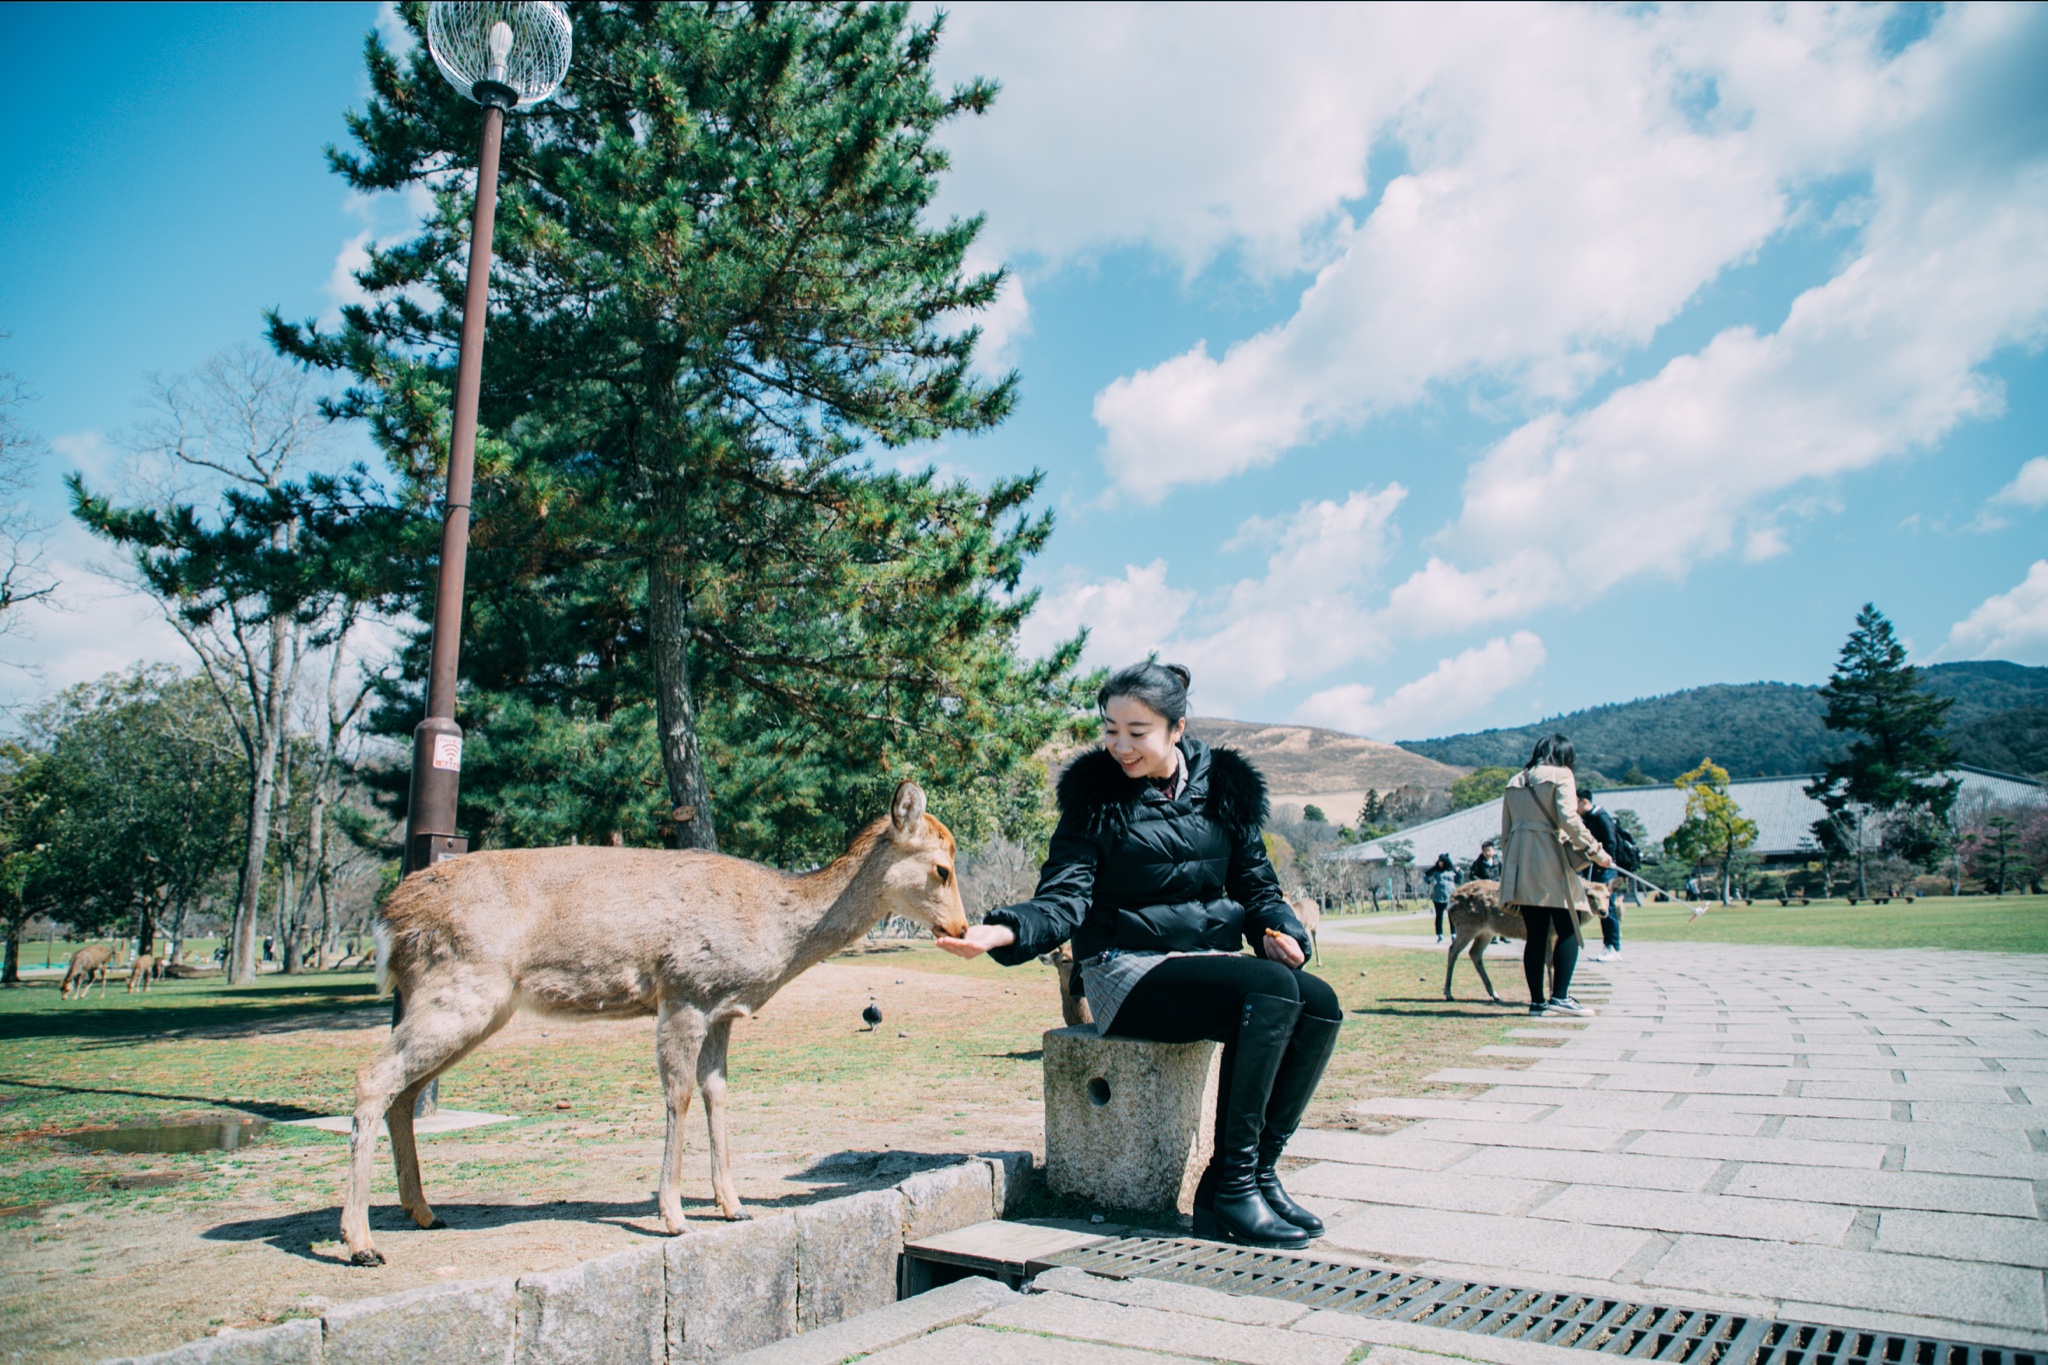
[[1295, 1085], [1236, 1211]]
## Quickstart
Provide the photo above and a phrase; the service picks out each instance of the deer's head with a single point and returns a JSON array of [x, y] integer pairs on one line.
[[921, 883]]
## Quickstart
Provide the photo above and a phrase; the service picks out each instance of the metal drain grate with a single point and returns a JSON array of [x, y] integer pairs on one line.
[[1641, 1331]]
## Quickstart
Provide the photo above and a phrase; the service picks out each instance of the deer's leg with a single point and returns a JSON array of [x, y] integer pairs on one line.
[[678, 1039], [711, 1080], [1458, 942], [439, 1029], [1479, 943], [405, 1154]]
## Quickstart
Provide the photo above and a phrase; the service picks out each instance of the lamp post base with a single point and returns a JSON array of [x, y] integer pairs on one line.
[[424, 850]]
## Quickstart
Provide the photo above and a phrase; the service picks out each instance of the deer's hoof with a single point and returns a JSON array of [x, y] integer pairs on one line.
[[368, 1256], [740, 1216], [424, 1216]]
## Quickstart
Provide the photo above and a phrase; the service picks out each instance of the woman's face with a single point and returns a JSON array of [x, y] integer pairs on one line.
[[1139, 738]]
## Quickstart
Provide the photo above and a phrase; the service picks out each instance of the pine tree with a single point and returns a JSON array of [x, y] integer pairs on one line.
[[1892, 769], [716, 288]]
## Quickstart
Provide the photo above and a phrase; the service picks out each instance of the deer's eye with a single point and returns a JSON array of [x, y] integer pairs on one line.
[[945, 875]]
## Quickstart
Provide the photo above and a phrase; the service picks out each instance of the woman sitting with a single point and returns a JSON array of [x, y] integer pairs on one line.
[[1158, 875]]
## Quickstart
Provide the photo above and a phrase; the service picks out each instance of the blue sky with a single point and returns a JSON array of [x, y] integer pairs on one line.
[[1405, 370]]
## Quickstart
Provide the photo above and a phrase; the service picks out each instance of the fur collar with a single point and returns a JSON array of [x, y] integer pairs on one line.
[[1220, 781]]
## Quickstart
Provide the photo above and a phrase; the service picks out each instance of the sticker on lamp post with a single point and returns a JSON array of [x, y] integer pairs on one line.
[[448, 752]]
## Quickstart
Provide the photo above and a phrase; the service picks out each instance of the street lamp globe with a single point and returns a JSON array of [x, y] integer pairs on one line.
[[512, 55]]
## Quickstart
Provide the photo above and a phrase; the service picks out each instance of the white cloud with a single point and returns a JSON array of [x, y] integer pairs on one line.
[[88, 453], [1126, 618], [385, 217], [93, 624], [1191, 129], [1878, 362], [1004, 324], [2029, 487], [2011, 625], [1567, 196], [1304, 615], [1454, 689]]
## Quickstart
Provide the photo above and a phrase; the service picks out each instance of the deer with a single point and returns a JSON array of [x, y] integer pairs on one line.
[[88, 964], [1309, 911], [695, 939], [141, 971], [1478, 918]]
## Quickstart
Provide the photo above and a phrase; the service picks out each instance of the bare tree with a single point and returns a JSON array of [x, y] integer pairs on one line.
[[1000, 872], [239, 429], [22, 577]]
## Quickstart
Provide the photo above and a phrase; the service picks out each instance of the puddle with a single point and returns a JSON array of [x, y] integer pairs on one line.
[[213, 1133]]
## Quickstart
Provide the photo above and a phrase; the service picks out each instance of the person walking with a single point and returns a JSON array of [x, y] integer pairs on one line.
[[1608, 833], [1486, 867], [1157, 874], [1545, 844], [1442, 880]]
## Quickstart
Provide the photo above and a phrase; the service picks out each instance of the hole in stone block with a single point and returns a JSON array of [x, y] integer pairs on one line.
[[1098, 1092]]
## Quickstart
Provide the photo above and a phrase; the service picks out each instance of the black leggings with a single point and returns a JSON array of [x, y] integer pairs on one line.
[[1546, 922], [1188, 999]]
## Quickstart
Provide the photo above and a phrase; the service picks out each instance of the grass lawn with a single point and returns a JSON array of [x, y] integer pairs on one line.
[[2008, 924]]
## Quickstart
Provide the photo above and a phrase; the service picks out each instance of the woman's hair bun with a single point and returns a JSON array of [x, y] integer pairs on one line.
[[1162, 687]]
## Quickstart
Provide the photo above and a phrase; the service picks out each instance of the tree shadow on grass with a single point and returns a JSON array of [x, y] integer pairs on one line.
[[216, 1012], [296, 1234], [259, 1108], [1437, 1008]]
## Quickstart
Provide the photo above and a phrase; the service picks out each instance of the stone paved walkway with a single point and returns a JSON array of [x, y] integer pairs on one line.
[[1855, 1138], [1858, 1137]]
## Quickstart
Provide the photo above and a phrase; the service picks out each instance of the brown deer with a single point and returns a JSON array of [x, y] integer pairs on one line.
[[140, 971], [695, 939], [1478, 918], [88, 964], [1309, 911]]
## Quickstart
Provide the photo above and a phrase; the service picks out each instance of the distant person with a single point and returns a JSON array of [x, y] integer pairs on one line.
[[1486, 867], [1692, 887], [1547, 845], [1442, 881], [1608, 832]]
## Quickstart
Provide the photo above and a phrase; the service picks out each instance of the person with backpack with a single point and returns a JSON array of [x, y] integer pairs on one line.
[[1442, 880], [1612, 837], [1486, 867], [1545, 845]]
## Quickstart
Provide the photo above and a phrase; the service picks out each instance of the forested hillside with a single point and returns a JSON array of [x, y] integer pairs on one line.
[[2000, 720]]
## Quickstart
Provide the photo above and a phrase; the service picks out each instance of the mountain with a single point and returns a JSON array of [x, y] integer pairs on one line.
[[1327, 768], [1768, 729]]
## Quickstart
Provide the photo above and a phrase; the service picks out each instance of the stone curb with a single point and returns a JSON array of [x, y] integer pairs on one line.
[[707, 1295], [878, 1330]]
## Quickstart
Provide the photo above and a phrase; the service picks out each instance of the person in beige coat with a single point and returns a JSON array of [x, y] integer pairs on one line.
[[1544, 845]]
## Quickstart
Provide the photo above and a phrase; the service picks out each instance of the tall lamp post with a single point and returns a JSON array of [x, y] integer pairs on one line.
[[503, 56]]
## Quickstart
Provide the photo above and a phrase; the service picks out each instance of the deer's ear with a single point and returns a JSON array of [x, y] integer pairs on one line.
[[906, 812]]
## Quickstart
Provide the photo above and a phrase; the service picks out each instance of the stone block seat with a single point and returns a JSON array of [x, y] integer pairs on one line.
[[1127, 1122]]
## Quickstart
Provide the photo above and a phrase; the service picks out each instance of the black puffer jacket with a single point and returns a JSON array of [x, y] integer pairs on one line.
[[1130, 869]]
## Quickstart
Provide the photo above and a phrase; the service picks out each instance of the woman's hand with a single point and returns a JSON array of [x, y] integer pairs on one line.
[[979, 939], [1282, 948]]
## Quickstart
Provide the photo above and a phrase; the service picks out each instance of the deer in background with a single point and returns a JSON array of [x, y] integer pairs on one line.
[[695, 939], [87, 965], [1478, 918], [141, 971]]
